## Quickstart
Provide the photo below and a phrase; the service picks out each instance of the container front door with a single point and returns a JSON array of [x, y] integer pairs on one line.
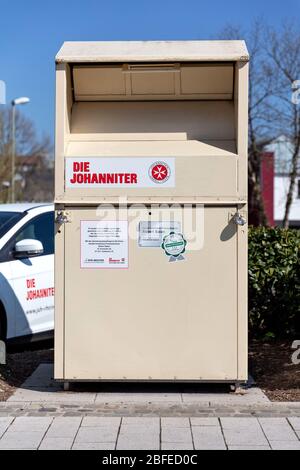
[[142, 306]]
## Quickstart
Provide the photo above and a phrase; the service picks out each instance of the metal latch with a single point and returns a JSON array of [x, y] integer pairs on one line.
[[63, 217], [239, 219]]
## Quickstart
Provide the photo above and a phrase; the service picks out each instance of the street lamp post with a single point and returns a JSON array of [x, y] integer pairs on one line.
[[14, 103]]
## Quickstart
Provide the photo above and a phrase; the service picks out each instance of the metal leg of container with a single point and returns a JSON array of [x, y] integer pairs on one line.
[[66, 386], [237, 388]]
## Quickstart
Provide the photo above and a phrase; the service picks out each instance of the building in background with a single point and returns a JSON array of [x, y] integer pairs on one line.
[[34, 178], [281, 149], [267, 185]]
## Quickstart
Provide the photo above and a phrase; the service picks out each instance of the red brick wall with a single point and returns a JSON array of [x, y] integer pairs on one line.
[[267, 185]]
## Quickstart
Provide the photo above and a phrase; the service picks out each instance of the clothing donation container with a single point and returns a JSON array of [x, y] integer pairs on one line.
[[151, 211]]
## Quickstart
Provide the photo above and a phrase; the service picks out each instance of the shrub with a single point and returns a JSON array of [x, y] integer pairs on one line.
[[274, 282]]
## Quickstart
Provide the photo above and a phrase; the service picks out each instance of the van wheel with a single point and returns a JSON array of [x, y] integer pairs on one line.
[[2, 345], [2, 336], [3, 323], [2, 352]]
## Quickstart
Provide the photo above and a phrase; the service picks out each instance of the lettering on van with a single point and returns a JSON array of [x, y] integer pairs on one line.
[[119, 172], [34, 293]]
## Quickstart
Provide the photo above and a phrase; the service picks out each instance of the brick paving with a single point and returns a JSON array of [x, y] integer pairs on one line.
[[40, 415], [149, 433], [122, 409]]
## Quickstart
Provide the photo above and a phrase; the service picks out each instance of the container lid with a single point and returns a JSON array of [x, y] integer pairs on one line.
[[153, 51]]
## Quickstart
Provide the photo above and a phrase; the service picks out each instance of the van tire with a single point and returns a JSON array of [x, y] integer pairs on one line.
[[3, 322]]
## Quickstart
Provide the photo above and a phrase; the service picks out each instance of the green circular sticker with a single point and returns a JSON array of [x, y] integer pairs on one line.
[[174, 244]]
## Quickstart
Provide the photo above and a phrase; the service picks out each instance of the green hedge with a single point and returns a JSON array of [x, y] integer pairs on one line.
[[274, 282]]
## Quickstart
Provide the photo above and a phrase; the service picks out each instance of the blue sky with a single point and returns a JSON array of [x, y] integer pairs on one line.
[[32, 31]]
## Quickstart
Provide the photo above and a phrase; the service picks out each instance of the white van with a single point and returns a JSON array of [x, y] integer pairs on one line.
[[26, 271]]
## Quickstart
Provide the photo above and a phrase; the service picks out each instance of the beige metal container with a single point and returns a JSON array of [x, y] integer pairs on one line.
[[151, 211]]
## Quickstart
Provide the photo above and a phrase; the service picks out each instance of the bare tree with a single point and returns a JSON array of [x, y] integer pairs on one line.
[[283, 49], [274, 71], [27, 145], [261, 97]]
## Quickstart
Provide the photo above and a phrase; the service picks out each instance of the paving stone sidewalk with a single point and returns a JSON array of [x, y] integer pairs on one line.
[[150, 433], [41, 388], [40, 415]]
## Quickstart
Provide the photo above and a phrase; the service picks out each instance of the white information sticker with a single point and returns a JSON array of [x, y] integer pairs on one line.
[[104, 244], [120, 172], [152, 233]]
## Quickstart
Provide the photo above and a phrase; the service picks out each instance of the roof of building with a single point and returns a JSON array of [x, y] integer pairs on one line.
[[153, 51]]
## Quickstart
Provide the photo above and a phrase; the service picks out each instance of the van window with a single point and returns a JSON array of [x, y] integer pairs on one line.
[[8, 220], [41, 228]]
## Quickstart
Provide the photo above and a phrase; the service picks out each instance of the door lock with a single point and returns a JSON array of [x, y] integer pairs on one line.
[[239, 219], [62, 217]]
